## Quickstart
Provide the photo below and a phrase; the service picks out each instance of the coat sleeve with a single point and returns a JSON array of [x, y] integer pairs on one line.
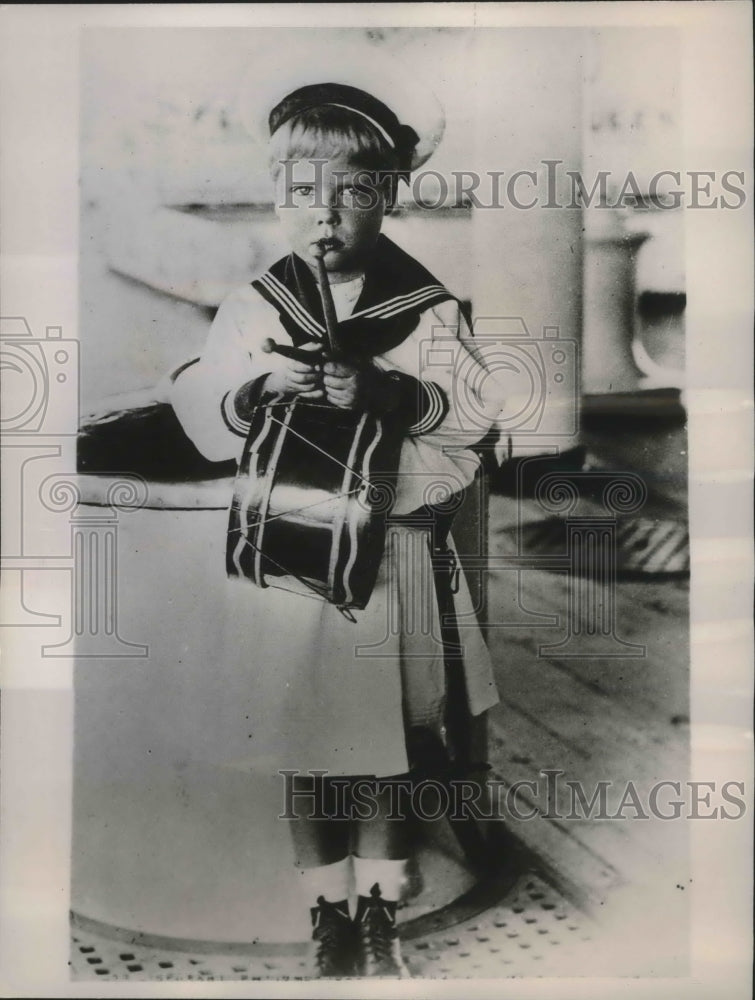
[[457, 400], [213, 395]]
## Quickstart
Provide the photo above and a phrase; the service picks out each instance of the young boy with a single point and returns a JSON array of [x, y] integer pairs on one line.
[[325, 695]]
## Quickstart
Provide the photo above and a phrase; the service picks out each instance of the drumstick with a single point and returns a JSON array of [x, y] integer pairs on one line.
[[269, 346], [326, 297]]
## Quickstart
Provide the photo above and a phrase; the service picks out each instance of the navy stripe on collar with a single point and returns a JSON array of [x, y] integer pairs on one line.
[[397, 288]]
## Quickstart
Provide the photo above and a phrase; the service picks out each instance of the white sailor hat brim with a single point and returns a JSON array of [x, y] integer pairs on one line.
[[350, 73]]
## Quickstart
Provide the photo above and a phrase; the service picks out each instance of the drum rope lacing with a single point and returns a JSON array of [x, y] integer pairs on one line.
[[320, 593]]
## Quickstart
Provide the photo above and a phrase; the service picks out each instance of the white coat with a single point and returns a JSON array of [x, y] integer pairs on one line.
[[324, 693]]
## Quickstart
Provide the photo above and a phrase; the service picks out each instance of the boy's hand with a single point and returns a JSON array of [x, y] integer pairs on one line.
[[346, 386], [353, 387], [298, 378]]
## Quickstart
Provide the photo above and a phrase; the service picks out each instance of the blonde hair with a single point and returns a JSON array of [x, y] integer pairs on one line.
[[327, 131]]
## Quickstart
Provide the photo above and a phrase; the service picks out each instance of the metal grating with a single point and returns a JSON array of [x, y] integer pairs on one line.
[[531, 931], [644, 547]]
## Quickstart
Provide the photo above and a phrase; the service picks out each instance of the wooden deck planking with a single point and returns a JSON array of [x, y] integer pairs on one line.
[[603, 719], [624, 847]]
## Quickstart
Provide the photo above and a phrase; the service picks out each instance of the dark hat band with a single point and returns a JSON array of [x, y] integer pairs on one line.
[[403, 137]]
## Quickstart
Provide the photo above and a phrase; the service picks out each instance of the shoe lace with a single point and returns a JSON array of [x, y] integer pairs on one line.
[[328, 933], [378, 928]]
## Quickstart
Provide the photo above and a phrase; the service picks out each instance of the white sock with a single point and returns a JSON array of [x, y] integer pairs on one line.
[[389, 875], [330, 881]]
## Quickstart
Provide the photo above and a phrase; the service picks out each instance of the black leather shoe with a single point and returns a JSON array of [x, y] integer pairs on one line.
[[378, 942], [334, 942]]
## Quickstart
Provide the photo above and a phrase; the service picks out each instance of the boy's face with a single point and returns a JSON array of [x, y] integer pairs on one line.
[[333, 201]]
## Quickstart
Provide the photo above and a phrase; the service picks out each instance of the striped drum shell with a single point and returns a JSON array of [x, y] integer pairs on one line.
[[314, 489]]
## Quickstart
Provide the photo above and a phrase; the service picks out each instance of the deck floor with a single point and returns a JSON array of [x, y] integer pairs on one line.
[[605, 895], [598, 896], [531, 931]]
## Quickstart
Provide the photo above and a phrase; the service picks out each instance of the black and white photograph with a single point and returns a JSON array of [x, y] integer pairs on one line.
[[376, 449]]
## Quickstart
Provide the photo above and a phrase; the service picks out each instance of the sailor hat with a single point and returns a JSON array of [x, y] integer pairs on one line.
[[349, 73]]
